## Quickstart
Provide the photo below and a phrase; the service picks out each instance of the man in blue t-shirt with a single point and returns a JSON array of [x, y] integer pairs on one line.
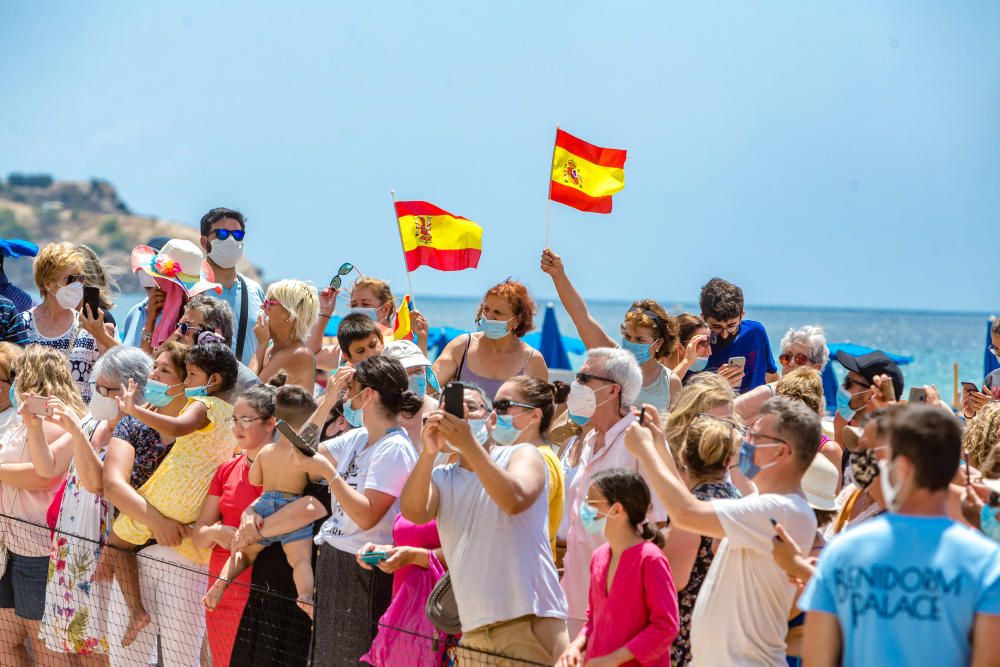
[[911, 587], [733, 337]]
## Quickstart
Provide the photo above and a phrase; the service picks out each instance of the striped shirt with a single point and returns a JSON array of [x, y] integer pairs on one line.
[[22, 300], [11, 325]]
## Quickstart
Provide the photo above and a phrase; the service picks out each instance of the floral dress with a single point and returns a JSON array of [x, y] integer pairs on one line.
[[680, 651], [75, 618]]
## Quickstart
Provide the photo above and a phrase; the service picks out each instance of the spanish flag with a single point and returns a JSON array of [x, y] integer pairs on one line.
[[434, 237], [585, 176], [402, 330]]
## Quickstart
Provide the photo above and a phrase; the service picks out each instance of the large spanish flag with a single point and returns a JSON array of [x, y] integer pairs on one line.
[[434, 237], [585, 176]]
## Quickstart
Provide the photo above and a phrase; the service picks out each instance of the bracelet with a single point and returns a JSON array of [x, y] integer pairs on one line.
[[336, 476], [147, 337], [325, 316]]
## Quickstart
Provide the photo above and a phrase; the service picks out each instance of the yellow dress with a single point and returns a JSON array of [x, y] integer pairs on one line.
[[557, 480], [179, 486]]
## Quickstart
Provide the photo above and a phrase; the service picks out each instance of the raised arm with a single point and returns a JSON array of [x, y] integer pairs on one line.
[[193, 417], [590, 331], [419, 500], [48, 460], [327, 306]]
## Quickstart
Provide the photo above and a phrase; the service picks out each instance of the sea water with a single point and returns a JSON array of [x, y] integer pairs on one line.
[[936, 340]]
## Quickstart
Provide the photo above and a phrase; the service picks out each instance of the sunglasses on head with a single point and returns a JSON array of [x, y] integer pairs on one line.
[[73, 278], [584, 378], [798, 359], [223, 234], [504, 404], [344, 269]]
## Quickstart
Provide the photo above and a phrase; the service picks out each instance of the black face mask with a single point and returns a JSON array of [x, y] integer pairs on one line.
[[722, 343]]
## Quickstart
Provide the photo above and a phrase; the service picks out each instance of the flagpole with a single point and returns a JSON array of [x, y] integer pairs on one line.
[[548, 199], [402, 247]]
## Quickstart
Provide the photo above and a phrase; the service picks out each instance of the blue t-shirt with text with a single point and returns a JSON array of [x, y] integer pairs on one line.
[[906, 589], [751, 342]]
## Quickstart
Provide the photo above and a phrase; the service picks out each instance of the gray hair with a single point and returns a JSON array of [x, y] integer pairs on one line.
[[482, 394], [798, 424], [813, 337], [123, 363], [618, 365], [216, 313]]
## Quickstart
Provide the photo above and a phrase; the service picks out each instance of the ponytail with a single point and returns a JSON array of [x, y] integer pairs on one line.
[[628, 488], [650, 534]]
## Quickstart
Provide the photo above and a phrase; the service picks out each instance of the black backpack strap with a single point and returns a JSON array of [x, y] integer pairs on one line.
[[241, 332]]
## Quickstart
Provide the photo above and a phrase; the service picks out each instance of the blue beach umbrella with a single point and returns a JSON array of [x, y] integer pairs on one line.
[[551, 345]]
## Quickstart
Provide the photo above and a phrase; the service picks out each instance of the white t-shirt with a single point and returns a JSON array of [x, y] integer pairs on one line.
[[741, 616], [382, 466]]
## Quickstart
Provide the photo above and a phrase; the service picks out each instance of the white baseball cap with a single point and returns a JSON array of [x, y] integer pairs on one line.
[[407, 353]]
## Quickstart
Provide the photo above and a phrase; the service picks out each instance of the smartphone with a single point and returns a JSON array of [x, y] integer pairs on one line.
[[294, 438], [91, 300], [918, 395], [374, 557], [970, 387], [738, 361], [36, 405], [454, 399]]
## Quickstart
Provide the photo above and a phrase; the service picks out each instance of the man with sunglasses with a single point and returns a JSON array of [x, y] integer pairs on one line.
[[732, 336], [740, 617], [222, 237], [600, 400], [860, 392]]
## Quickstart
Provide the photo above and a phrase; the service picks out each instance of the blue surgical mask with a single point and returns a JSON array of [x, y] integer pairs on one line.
[[13, 397], [988, 522], [844, 404], [746, 465], [354, 417], [479, 431], [639, 350], [194, 392], [493, 329], [370, 312], [699, 365], [418, 384], [504, 431], [578, 420], [156, 393], [591, 522]]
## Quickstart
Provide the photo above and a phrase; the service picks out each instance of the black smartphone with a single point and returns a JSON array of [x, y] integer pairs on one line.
[[454, 399], [91, 300], [294, 438], [970, 387]]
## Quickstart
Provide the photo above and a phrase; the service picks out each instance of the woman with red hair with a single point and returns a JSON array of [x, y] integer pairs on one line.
[[495, 353]]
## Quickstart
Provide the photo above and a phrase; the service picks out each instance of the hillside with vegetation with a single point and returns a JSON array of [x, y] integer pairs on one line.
[[41, 209]]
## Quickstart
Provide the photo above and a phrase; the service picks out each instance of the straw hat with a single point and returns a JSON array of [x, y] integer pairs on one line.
[[179, 261], [820, 484]]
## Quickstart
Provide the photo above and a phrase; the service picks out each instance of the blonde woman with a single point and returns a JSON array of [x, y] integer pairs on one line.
[[101, 325], [806, 384], [25, 497], [706, 393], [55, 322], [289, 311], [981, 433]]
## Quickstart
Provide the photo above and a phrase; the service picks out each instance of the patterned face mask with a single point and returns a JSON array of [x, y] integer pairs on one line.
[[864, 467]]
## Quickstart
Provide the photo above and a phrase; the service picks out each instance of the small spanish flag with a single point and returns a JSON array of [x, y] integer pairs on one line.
[[585, 176], [402, 330], [434, 237]]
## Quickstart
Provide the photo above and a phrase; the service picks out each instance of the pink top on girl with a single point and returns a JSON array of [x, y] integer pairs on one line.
[[641, 610]]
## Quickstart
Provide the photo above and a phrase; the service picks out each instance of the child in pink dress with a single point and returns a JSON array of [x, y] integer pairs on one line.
[[632, 617]]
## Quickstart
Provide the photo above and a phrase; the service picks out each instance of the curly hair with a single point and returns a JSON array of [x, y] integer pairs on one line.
[[44, 371], [521, 303], [721, 300], [981, 433], [704, 392], [804, 384], [649, 314]]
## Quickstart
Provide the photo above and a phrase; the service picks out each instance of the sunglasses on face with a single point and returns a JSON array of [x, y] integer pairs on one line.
[[184, 328], [850, 382], [797, 359], [73, 278], [344, 269], [504, 404], [223, 234], [269, 303], [584, 378]]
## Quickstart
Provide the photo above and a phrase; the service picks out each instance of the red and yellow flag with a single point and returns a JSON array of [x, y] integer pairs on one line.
[[402, 329], [434, 237], [585, 176]]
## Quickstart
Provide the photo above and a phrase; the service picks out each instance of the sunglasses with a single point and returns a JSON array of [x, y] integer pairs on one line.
[[504, 404], [584, 378], [223, 234], [344, 269], [73, 278], [184, 328], [269, 303], [797, 359], [850, 382]]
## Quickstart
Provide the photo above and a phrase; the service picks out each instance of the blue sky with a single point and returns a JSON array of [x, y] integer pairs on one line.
[[829, 154]]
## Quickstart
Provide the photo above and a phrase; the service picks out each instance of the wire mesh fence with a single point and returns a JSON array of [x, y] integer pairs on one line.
[[67, 599]]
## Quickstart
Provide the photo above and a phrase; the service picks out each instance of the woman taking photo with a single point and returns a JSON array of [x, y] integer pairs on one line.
[[494, 354], [365, 469], [25, 496], [288, 312], [55, 322]]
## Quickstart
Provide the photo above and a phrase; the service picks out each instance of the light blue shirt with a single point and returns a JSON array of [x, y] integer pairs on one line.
[[255, 298], [135, 322], [906, 589]]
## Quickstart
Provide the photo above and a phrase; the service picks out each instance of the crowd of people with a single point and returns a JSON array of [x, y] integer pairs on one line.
[[215, 481]]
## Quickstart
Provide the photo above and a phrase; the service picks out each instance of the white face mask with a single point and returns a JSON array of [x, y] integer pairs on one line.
[[227, 253], [890, 491], [582, 401], [70, 296], [103, 407]]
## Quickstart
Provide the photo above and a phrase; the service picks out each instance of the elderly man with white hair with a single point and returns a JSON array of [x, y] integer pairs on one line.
[[802, 347], [600, 397]]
